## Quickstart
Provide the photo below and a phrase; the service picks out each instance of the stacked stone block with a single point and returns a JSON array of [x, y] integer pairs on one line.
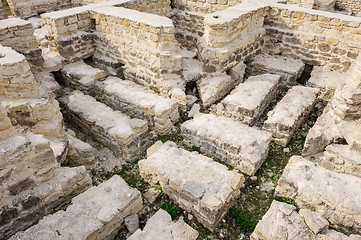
[[232, 35], [97, 213], [18, 34], [205, 7], [288, 68], [316, 37], [243, 147], [290, 113], [352, 6], [153, 6], [26, 8], [6, 128], [28, 208], [248, 100], [335, 196], [136, 32], [16, 79], [81, 76], [138, 101], [199, 185], [126, 137]]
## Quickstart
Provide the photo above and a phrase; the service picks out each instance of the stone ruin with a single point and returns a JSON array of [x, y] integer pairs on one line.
[[89, 86]]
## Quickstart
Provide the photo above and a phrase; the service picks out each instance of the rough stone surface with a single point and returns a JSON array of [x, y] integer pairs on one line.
[[6, 128], [243, 147], [79, 153], [213, 88], [327, 80], [161, 226], [140, 102], [81, 76], [126, 137], [334, 196], [248, 100], [290, 113], [132, 223], [95, 214], [43, 199], [288, 68], [199, 185], [314, 221]]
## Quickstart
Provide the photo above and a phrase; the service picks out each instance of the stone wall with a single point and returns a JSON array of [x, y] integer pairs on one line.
[[25, 8], [232, 35], [19, 35], [353, 6], [144, 43], [151, 6], [206, 6], [316, 37]]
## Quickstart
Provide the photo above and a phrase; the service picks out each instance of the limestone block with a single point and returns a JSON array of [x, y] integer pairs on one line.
[[290, 113], [327, 80], [237, 72], [126, 137], [81, 76], [350, 130], [138, 101], [43, 199], [46, 83], [248, 100], [161, 226], [199, 185], [324, 132], [243, 147], [80, 153], [6, 128], [213, 88], [342, 159], [97, 213], [314, 221], [335, 196], [192, 69], [282, 222], [346, 104], [288, 68]]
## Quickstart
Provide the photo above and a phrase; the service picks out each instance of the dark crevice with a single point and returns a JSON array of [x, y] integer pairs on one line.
[[306, 74]]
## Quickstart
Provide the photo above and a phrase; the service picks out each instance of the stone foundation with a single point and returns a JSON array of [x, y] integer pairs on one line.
[[234, 143], [197, 183]]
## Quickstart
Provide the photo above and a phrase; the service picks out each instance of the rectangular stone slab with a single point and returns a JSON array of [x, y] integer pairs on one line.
[[198, 184], [138, 101], [243, 147], [126, 137], [98, 213], [335, 196], [290, 113], [248, 100], [288, 68]]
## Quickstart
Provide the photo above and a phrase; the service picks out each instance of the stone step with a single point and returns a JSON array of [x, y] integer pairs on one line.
[[81, 76], [161, 226], [98, 213], [140, 102], [288, 68], [248, 100], [290, 113], [214, 88], [43, 199], [283, 221], [243, 147], [335, 196], [342, 159], [327, 80], [198, 184], [126, 137]]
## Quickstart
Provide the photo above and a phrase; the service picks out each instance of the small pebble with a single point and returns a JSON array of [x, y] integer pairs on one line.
[[190, 217], [286, 150], [253, 178]]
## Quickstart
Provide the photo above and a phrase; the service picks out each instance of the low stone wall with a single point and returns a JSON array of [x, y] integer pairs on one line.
[[206, 6], [19, 35], [352, 6], [25, 8], [16, 79], [231, 36], [151, 6], [316, 37], [135, 33]]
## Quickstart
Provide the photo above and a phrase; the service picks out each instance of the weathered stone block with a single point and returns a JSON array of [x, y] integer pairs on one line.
[[201, 186], [290, 113], [248, 100], [243, 147]]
